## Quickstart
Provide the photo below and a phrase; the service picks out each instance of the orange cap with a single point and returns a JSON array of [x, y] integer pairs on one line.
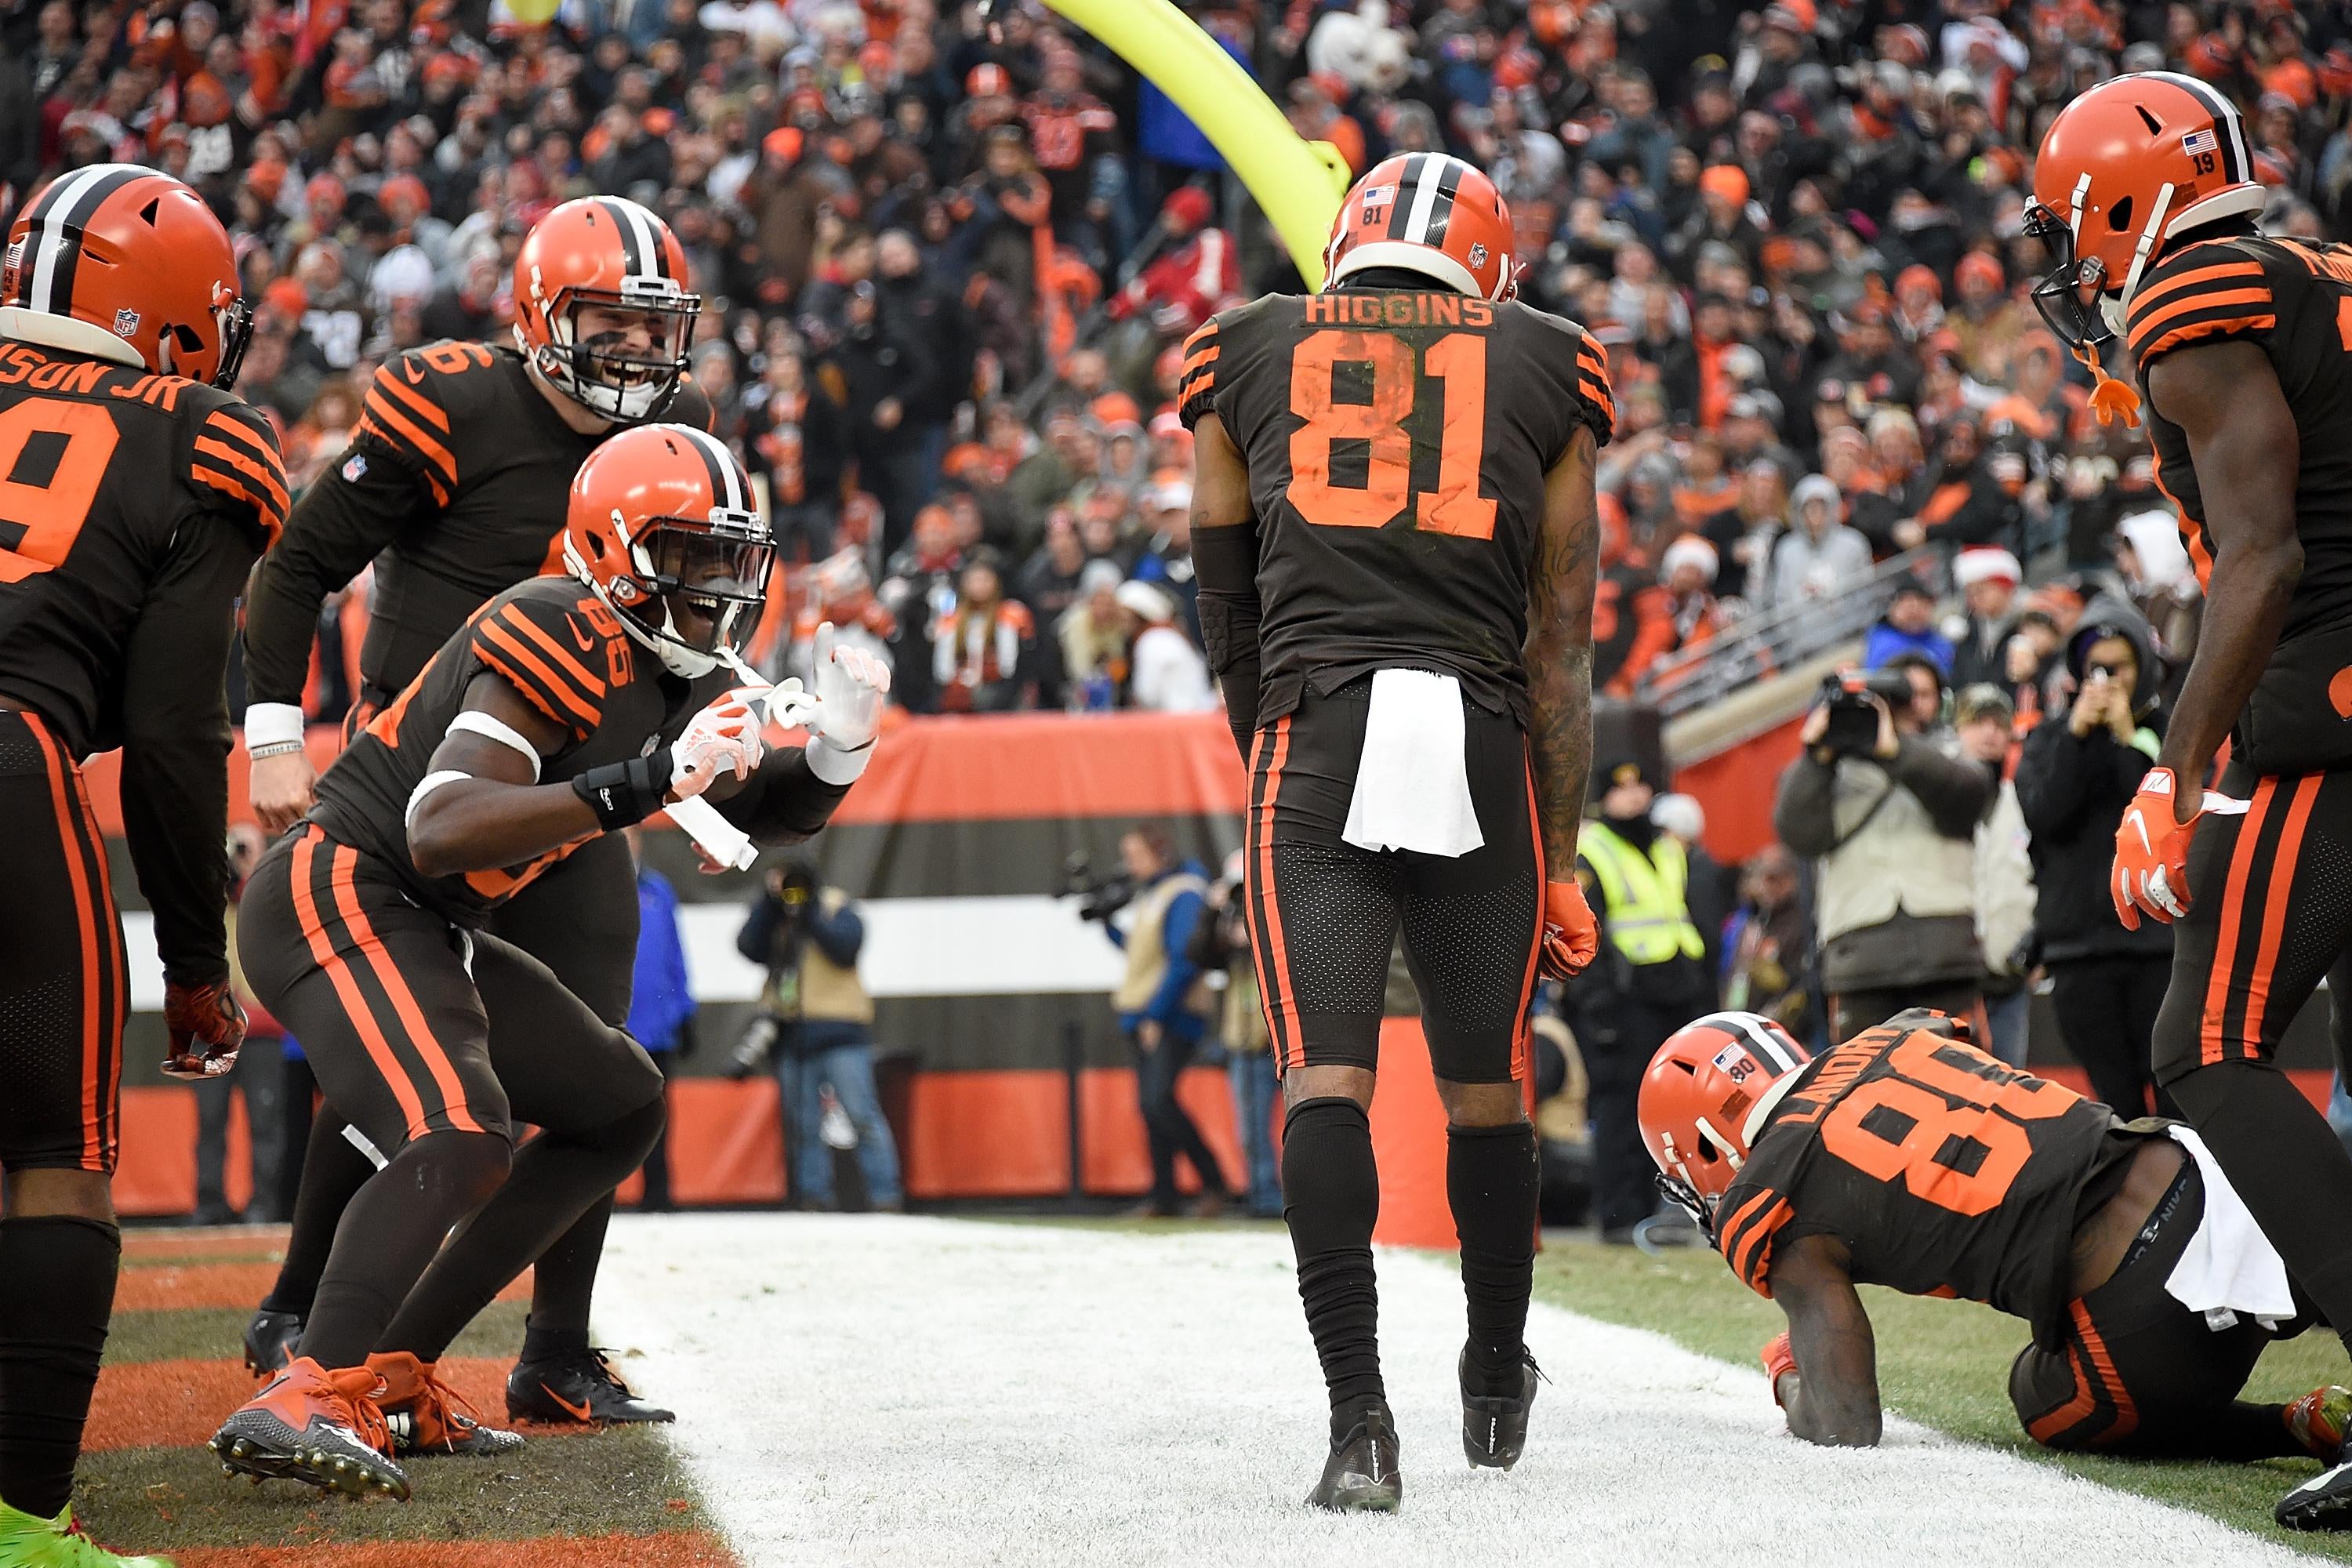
[[1727, 182]]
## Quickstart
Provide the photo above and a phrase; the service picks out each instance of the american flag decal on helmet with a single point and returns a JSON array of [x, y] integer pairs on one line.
[[2197, 141]]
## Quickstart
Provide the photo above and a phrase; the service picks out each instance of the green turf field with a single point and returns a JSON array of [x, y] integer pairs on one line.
[[1942, 1363]]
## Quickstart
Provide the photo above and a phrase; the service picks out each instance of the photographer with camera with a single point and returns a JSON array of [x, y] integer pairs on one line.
[[2075, 780], [815, 1015], [1220, 945], [1157, 1009], [1883, 799]]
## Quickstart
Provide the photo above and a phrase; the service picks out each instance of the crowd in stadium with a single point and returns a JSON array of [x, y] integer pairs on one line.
[[948, 263]]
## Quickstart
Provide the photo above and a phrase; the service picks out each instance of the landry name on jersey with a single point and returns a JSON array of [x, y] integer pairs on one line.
[[570, 658], [1397, 444], [492, 462], [2294, 300], [1942, 1170], [118, 490]]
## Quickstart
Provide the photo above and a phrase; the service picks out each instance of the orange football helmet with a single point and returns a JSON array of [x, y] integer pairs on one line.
[[1705, 1097], [120, 262], [1426, 212], [2124, 170], [609, 254], [662, 528]]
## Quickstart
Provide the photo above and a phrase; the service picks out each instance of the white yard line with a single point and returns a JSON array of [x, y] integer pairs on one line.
[[909, 1391]]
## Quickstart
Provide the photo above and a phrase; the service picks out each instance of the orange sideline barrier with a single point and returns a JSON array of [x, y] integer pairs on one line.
[[1735, 787], [967, 1135], [953, 769]]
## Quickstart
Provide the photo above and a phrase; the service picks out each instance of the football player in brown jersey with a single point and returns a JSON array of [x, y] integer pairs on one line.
[[1910, 1159], [2146, 199], [566, 709], [1393, 523], [455, 485], [134, 495]]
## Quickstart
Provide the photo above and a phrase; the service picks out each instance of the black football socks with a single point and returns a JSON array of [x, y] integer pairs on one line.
[[1331, 1199], [52, 1333], [1491, 1184]]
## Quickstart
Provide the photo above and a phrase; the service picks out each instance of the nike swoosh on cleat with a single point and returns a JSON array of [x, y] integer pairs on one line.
[[578, 1412]]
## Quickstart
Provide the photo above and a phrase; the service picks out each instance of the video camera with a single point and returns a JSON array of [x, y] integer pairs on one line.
[[1852, 730], [1099, 897]]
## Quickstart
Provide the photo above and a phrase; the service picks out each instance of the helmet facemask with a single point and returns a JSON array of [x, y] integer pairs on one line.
[[2072, 296], [694, 588], [597, 370]]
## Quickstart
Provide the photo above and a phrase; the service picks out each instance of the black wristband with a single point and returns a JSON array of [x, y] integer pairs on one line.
[[622, 794]]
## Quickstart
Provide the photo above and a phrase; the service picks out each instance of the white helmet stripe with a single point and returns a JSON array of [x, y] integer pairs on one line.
[[648, 238], [66, 206], [1425, 199], [1768, 1050], [727, 484], [2237, 162]]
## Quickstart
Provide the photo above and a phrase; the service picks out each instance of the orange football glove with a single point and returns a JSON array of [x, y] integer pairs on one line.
[[1571, 935], [2151, 869], [206, 1027], [1778, 1359]]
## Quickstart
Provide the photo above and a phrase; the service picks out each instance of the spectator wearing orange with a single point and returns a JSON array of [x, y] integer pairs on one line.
[[983, 648], [1688, 571]]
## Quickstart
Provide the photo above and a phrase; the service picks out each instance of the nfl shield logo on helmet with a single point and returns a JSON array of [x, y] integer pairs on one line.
[[1477, 255], [126, 322]]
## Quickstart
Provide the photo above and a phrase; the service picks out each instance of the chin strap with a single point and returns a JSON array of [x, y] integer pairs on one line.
[[2110, 398]]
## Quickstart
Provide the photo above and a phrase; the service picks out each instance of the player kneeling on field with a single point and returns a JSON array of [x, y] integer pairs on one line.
[[1908, 1158], [565, 708]]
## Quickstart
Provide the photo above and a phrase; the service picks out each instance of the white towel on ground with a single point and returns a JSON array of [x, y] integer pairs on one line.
[[1412, 781], [2230, 1266]]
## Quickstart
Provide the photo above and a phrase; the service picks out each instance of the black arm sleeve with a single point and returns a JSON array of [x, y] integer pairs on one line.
[[1227, 562], [336, 529], [784, 803], [1955, 790], [175, 740]]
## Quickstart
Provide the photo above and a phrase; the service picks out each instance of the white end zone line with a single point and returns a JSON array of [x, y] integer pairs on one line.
[[914, 1391]]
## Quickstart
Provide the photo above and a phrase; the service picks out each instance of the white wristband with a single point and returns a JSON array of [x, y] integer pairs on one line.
[[272, 724], [832, 765]]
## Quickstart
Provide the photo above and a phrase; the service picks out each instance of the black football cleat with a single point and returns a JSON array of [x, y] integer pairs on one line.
[[1360, 1475], [578, 1388], [1494, 1426], [2322, 1502], [270, 1341]]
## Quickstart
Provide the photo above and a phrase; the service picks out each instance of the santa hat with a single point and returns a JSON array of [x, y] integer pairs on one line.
[[1985, 564], [1690, 551]]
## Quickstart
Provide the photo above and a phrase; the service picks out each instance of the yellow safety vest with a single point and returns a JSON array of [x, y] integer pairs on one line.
[[1642, 895]]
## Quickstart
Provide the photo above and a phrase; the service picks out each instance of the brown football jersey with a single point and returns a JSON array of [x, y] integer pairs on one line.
[[568, 656], [1397, 444], [1943, 1172], [2293, 299]]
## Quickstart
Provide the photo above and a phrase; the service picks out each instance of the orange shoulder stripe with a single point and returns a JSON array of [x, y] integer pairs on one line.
[[2179, 335], [272, 484], [2145, 298], [427, 448], [568, 662], [2147, 325], [424, 408], [531, 677]]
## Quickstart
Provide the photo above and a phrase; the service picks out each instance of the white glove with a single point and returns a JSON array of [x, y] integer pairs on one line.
[[850, 686], [722, 737]]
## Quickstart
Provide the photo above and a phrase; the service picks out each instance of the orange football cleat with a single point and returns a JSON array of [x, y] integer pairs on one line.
[[317, 1426], [425, 1415]]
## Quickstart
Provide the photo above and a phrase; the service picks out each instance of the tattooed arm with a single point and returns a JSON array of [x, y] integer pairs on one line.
[[1558, 651]]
